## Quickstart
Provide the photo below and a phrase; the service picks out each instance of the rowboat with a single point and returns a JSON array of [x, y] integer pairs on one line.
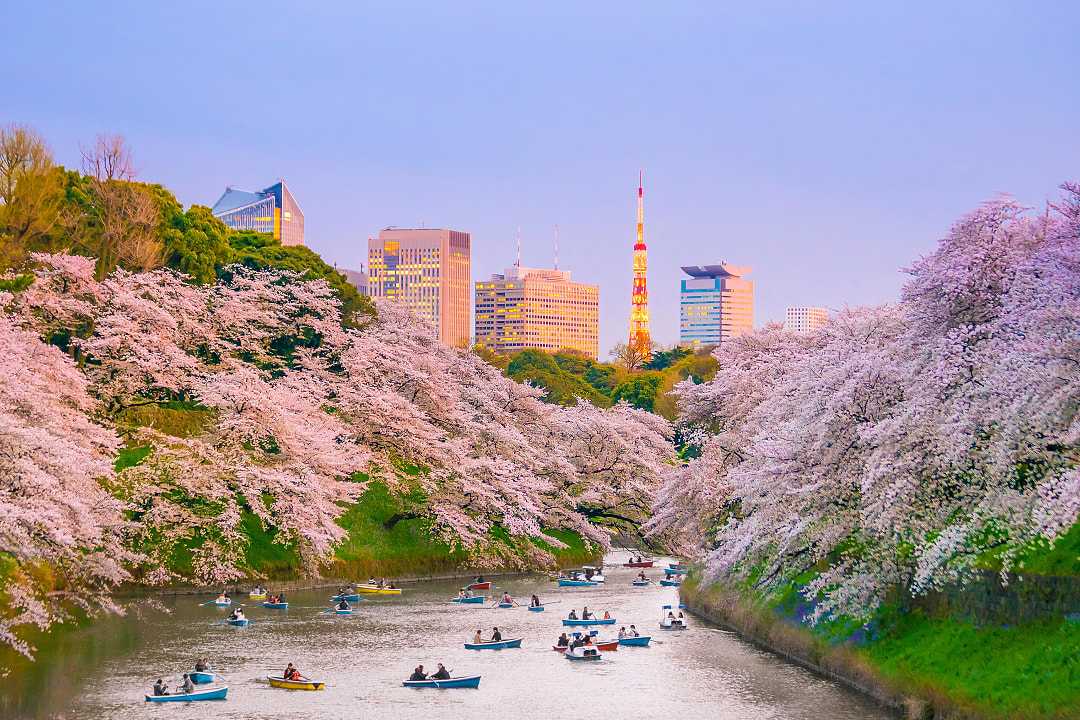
[[242, 622], [214, 693], [608, 645], [641, 583], [674, 571], [256, 596], [223, 603], [280, 682], [475, 599], [506, 605], [642, 564], [201, 678], [536, 608], [276, 606], [669, 624], [376, 590], [459, 682], [567, 582], [486, 585], [670, 583], [583, 652], [594, 621], [639, 641], [347, 597], [499, 645], [339, 611]]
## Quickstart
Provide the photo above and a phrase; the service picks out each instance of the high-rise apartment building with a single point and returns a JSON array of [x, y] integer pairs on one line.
[[430, 271], [805, 319], [271, 210], [716, 304], [537, 308]]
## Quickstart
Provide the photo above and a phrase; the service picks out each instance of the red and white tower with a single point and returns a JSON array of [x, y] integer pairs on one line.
[[639, 302]]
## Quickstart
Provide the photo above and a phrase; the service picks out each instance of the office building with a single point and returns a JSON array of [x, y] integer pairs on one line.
[[805, 319], [272, 210], [716, 304], [357, 278], [428, 270], [537, 308]]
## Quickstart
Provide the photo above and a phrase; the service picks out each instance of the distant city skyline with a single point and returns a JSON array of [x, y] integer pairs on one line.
[[827, 146]]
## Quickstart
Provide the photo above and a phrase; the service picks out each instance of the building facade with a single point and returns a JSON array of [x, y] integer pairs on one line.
[[271, 210], [804, 319], [430, 271], [716, 304], [537, 308], [358, 279]]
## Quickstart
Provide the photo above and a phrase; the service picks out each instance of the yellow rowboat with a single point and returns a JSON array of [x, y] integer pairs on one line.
[[376, 590], [280, 682], [256, 596]]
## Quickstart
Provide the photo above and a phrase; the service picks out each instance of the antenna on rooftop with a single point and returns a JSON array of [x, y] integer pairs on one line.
[[518, 263], [556, 247]]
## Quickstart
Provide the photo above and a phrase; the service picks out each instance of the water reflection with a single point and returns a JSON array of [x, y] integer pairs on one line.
[[104, 671]]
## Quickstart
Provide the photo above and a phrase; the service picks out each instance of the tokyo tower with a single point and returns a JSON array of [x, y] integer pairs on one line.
[[639, 302]]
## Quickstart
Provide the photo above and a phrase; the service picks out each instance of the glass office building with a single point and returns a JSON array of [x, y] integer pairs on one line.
[[716, 304], [272, 210]]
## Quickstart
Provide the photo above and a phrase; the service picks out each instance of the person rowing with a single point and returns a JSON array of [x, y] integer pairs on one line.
[[563, 641], [633, 632], [534, 601], [623, 633], [237, 614], [222, 599], [572, 615], [478, 638], [462, 594], [294, 674], [202, 665], [496, 636], [188, 686], [343, 604], [418, 674], [641, 576], [441, 674], [586, 614], [507, 600], [607, 615], [161, 687], [289, 670]]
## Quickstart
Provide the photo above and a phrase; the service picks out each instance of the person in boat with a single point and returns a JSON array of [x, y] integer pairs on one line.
[[634, 632], [294, 675], [622, 633], [607, 615], [222, 598], [418, 673], [496, 636], [586, 614], [289, 670], [479, 579], [393, 586], [576, 642], [237, 614], [188, 686], [572, 615], [478, 638], [382, 583], [161, 687], [372, 581], [534, 601], [641, 576], [441, 674], [201, 665], [563, 641], [587, 640], [343, 605], [507, 599], [461, 594]]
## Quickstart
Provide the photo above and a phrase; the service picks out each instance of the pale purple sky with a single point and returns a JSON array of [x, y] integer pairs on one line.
[[825, 144]]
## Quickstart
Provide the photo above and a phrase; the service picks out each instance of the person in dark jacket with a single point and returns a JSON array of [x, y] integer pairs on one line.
[[496, 636], [418, 673], [563, 640], [161, 687], [441, 674]]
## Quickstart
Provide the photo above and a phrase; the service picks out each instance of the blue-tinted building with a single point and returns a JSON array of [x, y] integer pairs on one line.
[[715, 304], [271, 210]]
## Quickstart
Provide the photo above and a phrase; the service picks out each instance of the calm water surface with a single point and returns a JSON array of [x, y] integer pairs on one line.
[[104, 671]]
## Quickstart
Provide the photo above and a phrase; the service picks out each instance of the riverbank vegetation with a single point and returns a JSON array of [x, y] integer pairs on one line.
[[901, 452]]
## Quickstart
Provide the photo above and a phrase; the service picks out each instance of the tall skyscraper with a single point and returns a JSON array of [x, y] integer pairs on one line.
[[716, 304], [271, 210], [805, 319], [430, 271], [639, 299], [537, 308]]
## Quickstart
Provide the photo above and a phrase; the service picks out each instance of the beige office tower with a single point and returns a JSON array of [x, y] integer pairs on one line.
[[716, 304], [430, 272], [537, 308], [805, 319]]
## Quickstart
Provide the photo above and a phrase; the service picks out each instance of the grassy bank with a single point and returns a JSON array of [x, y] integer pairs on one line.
[[926, 666]]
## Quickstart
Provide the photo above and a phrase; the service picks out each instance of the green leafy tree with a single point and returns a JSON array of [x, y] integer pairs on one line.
[[663, 359], [639, 390]]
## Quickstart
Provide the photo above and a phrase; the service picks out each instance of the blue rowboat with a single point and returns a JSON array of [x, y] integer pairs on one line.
[[536, 608], [354, 597], [500, 645], [460, 682], [343, 612], [640, 641], [506, 605], [223, 603], [475, 600], [217, 693], [276, 606], [670, 583], [594, 621], [640, 583], [244, 622], [565, 582], [201, 678], [674, 571]]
